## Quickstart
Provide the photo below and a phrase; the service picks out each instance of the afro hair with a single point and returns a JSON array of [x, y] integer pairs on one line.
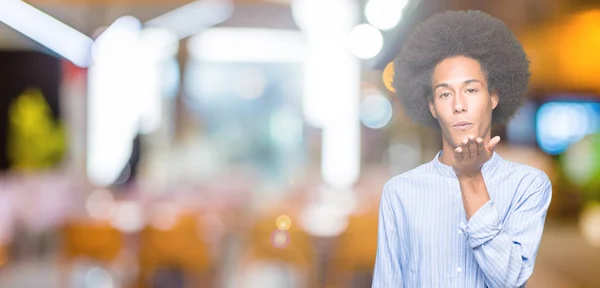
[[472, 34]]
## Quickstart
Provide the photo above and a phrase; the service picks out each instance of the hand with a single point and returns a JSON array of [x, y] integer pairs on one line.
[[471, 155]]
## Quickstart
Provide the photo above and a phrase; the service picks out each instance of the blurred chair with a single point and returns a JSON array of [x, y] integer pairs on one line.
[[3, 256], [88, 240], [178, 249], [288, 257], [353, 257], [96, 240]]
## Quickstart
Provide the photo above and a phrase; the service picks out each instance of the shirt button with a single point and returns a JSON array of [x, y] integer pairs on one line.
[[460, 232], [458, 270]]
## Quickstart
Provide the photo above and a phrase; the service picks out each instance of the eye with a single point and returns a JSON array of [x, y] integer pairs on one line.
[[471, 90], [445, 95]]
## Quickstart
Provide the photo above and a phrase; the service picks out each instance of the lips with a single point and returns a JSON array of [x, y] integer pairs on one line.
[[462, 125]]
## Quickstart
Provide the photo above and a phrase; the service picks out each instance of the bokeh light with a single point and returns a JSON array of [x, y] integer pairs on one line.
[[326, 219], [520, 130], [581, 165], [384, 14], [560, 124], [280, 239], [128, 217], [375, 111], [365, 41], [388, 77], [164, 216], [100, 204], [283, 222], [590, 223], [578, 163], [98, 278]]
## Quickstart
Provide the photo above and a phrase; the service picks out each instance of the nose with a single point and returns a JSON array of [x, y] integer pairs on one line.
[[460, 104]]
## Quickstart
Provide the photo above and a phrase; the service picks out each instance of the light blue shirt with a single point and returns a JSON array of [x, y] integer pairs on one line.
[[424, 239]]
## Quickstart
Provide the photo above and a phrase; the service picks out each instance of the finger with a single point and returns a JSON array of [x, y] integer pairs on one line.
[[464, 147], [458, 153], [480, 146], [492, 144], [464, 143], [472, 146]]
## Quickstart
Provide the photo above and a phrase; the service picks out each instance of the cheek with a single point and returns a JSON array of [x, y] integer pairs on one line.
[[487, 110], [441, 112], [484, 108]]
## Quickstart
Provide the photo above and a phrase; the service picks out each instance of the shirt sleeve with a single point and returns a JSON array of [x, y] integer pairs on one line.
[[388, 268], [506, 253]]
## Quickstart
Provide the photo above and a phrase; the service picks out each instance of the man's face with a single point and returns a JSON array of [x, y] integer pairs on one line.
[[461, 102]]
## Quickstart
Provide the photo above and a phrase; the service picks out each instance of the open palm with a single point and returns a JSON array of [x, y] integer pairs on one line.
[[471, 155]]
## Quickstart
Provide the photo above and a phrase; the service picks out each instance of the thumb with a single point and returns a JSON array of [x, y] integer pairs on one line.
[[492, 144]]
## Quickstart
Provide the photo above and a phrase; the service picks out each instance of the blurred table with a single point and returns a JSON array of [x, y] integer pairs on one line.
[[565, 259]]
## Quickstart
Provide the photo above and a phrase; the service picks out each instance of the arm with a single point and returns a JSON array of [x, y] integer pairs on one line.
[[474, 194], [506, 253], [388, 271]]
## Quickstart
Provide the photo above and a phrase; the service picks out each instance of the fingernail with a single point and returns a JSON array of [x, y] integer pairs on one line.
[[471, 137], [479, 140]]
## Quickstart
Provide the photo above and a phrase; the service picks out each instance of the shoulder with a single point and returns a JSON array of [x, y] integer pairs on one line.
[[524, 171], [532, 179], [403, 183]]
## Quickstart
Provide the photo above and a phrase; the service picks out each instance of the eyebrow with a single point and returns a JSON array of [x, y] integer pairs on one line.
[[445, 85]]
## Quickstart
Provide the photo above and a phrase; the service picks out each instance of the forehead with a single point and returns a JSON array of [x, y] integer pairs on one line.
[[457, 70]]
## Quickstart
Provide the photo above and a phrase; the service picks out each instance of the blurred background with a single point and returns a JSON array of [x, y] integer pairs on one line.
[[245, 143]]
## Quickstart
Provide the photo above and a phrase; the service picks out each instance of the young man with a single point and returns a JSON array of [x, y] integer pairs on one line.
[[468, 218]]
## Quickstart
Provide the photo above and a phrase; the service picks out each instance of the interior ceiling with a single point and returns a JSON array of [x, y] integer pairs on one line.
[[529, 16], [89, 15]]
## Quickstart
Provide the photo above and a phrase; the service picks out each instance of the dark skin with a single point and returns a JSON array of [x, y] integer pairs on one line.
[[463, 106]]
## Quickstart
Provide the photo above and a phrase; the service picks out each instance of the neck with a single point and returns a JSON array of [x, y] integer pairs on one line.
[[448, 148]]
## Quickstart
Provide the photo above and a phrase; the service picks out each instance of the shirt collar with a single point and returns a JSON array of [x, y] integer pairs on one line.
[[446, 170]]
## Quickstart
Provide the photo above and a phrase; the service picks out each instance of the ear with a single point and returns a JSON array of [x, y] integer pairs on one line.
[[495, 100], [432, 108]]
